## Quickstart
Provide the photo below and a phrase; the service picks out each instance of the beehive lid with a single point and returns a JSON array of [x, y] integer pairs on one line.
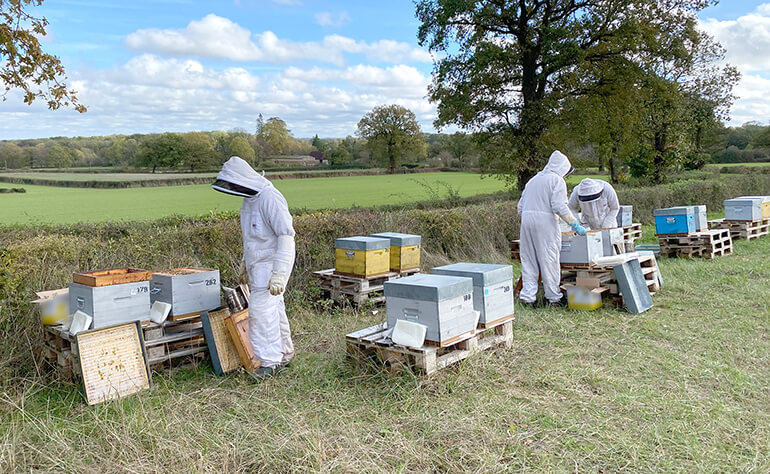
[[399, 240], [182, 271], [674, 211], [426, 287], [362, 243], [743, 202], [758, 198], [483, 274], [624, 209]]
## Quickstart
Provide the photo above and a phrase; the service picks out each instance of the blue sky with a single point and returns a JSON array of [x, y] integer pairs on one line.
[[180, 65]]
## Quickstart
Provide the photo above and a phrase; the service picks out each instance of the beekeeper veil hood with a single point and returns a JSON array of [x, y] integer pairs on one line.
[[239, 179], [589, 190], [558, 163]]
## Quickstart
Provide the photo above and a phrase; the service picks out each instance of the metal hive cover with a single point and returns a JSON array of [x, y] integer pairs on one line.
[[427, 287], [483, 274], [362, 243], [674, 211], [399, 240]]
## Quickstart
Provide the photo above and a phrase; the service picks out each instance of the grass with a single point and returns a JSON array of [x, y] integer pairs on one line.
[[683, 387], [55, 176], [750, 165]]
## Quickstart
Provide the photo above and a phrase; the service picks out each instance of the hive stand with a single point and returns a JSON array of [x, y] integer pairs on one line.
[[373, 345], [743, 229], [705, 244], [357, 290], [171, 341], [603, 276]]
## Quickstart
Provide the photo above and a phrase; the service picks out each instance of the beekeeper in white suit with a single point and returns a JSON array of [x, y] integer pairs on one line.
[[597, 202], [544, 198], [268, 251]]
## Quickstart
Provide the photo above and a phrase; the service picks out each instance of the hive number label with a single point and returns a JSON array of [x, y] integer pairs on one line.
[[211, 282], [141, 289]]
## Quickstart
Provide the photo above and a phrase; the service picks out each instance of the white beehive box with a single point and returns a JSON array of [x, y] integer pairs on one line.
[[625, 216], [492, 288], [442, 303], [701, 221], [187, 290], [581, 249], [111, 304], [612, 239]]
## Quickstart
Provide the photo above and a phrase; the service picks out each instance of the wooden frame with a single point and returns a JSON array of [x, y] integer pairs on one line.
[[238, 327], [224, 354], [113, 276]]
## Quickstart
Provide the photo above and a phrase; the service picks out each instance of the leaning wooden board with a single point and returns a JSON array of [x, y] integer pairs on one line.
[[224, 355], [114, 276], [238, 327], [113, 362]]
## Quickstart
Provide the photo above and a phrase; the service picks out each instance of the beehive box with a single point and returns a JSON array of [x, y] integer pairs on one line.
[[581, 249], [442, 303], [701, 221], [765, 200], [625, 216], [113, 304], [404, 250], [613, 239], [362, 256], [187, 290], [743, 209], [675, 220], [492, 288]]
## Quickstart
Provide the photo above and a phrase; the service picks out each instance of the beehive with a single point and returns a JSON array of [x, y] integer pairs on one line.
[[444, 304], [112, 304], [612, 240], [675, 220], [187, 290], [765, 204], [701, 221], [581, 249], [362, 256], [404, 250], [743, 209], [492, 288]]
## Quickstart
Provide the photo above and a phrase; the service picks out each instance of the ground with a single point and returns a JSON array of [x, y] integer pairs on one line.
[[683, 387]]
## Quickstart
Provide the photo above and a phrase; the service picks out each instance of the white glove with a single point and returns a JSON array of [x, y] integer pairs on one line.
[[277, 283]]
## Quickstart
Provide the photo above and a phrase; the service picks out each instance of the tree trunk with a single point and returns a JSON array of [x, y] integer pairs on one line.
[[658, 160], [611, 163], [153, 168]]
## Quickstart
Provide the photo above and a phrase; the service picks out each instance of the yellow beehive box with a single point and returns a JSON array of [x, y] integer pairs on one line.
[[404, 250], [362, 256]]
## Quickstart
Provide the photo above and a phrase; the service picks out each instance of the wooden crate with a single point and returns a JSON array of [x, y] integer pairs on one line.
[[603, 276], [356, 290], [371, 345], [743, 229], [169, 342], [114, 276], [705, 244]]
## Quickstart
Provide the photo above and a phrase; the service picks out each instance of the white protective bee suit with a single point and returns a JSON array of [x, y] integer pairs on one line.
[[544, 198], [268, 251], [597, 202]]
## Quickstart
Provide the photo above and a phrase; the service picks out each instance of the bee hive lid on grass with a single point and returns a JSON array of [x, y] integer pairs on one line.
[[399, 240], [483, 274], [362, 243], [426, 287]]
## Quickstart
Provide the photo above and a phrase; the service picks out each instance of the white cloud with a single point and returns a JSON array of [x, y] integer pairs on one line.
[[218, 37], [328, 19]]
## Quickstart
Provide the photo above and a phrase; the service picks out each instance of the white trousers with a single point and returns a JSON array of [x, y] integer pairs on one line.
[[540, 249], [269, 329]]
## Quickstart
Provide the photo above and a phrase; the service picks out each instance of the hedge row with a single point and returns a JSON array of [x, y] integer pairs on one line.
[[39, 258]]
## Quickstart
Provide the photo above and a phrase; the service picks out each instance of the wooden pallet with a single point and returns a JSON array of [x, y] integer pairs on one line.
[[705, 244], [603, 276], [631, 233], [168, 342], [371, 345], [743, 229], [357, 290]]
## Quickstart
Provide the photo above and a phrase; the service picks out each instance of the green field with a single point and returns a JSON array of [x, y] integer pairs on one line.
[[56, 205], [104, 176], [750, 165]]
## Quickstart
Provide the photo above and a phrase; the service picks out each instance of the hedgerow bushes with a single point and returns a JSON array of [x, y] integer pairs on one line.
[[42, 258]]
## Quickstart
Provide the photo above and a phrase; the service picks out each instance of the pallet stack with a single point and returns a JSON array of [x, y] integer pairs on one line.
[[631, 233], [683, 232], [746, 217], [355, 289], [603, 276], [743, 229]]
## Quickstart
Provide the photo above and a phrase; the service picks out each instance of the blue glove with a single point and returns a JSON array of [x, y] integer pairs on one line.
[[579, 229]]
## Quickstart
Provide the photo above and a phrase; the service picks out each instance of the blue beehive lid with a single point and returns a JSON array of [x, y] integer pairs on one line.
[[426, 287], [483, 274], [399, 240], [674, 211], [361, 243]]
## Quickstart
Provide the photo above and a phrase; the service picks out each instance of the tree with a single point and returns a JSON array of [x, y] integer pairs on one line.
[[275, 134], [516, 62], [239, 146], [391, 131], [24, 65], [164, 150], [60, 156], [461, 146], [11, 156], [198, 150]]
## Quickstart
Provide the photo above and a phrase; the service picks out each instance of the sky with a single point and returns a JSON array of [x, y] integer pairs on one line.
[[144, 66]]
